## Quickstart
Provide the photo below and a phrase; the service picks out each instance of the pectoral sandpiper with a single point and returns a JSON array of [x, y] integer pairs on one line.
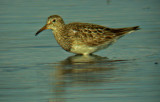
[[83, 38]]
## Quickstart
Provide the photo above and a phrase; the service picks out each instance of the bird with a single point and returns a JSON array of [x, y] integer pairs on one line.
[[83, 38]]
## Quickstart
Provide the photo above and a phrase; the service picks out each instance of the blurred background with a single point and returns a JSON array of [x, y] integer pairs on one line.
[[37, 69]]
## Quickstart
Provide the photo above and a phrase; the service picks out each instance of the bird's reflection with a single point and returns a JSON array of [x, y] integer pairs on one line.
[[80, 59], [80, 70], [82, 64]]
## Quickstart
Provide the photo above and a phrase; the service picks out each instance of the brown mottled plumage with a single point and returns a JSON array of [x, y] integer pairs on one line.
[[83, 38]]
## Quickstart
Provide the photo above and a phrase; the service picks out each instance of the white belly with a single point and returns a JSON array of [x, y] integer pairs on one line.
[[86, 50], [79, 47], [83, 49]]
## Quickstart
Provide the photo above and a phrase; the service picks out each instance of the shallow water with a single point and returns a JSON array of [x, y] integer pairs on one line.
[[36, 69]]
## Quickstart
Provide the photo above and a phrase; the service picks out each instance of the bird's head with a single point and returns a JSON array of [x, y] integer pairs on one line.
[[54, 22]]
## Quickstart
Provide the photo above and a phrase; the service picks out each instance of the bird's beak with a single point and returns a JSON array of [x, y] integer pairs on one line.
[[40, 30]]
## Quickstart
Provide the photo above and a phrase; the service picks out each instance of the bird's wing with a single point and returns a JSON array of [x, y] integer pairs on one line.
[[91, 34]]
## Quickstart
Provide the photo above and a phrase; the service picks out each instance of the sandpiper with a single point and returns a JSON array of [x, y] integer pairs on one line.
[[83, 38]]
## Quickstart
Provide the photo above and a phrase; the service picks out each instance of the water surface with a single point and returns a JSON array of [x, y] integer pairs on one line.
[[37, 69]]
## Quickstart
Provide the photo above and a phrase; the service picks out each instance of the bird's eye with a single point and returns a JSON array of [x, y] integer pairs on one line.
[[54, 21]]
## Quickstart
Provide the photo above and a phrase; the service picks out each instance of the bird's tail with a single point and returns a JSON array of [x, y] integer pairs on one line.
[[123, 31], [135, 28]]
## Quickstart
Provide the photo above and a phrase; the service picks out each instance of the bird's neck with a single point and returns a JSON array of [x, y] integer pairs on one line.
[[59, 29], [62, 38]]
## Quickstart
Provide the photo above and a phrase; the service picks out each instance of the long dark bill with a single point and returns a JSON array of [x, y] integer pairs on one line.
[[40, 30]]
